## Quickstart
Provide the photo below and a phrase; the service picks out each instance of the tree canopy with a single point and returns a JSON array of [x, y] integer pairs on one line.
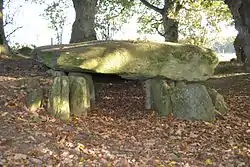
[[197, 19], [197, 22]]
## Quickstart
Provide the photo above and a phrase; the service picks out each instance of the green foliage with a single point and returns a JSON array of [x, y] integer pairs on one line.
[[54, 13], [150, 21], [197, 19], [111, 15], [202, 25], [17, 46], [36, 1]]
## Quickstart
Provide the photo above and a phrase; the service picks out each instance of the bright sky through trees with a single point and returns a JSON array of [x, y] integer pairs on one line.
[[35, 28]]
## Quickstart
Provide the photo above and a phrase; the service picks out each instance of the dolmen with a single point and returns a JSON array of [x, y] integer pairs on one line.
[[172, 74]]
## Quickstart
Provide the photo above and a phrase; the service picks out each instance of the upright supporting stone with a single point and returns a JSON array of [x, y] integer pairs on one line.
[[148, 100], [160, 96], [192, 102], [79, 96], [218, 101], [59, 98], [34, 99], [90, 85]]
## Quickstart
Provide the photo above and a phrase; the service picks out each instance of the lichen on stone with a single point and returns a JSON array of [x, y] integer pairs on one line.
[[142, 59]]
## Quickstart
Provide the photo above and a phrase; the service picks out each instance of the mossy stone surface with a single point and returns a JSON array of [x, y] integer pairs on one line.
[[192, 102], [59, 98], [34, 99], [161, 97], [91, 85], [132, 58], [218, 101], [79, 96]]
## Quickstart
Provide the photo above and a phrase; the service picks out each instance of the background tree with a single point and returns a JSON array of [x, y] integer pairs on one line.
[[111, 15], [202, 21], [162, 17], [83, 26], [4, 47], [193, 20], [56, 16], [241, 15], [10, 25]]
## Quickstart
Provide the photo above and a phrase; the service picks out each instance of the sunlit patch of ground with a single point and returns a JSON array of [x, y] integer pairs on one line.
[[119, 132]]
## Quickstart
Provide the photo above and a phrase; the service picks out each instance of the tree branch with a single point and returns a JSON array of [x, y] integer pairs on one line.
[[159, 32], [115, 16], [12, 32], [156, 26], [149, 5]]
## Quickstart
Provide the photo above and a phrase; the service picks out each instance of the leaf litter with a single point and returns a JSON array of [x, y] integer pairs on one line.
[[119, 131]]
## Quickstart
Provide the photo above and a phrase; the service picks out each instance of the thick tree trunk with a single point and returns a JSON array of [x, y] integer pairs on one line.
[[83, 28], [238, 46], [241, 14], [170, 25], [4, 48], [170, 29]]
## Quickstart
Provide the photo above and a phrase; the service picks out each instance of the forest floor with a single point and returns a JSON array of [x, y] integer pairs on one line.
[[119, 131]]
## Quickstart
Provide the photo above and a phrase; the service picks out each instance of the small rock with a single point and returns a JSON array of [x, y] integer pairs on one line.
[[178, 132], [174, 157], [229, 165], [133, 138], [193, 135], [20, 156], [36, 161], [31, 138], [241, 164]]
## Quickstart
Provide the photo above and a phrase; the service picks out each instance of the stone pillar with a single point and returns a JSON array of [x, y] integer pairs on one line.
[[90, 85], [160, 97], [241, 16], [59, 98], [79, 96], [148, 100]]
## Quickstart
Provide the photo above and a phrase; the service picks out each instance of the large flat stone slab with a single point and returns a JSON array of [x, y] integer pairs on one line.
[[131, 59]]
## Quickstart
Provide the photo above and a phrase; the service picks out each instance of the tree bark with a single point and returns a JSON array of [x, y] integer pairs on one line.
[[238, 46], [83, 28], [170, 29], [4, 48], [170, 25], [241, 14]]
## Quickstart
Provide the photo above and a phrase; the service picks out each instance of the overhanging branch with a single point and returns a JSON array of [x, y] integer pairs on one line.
[[12, 32], [149, 5]]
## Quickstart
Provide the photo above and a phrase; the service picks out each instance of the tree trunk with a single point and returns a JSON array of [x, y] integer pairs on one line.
[[170, 29], [83, 28], [241, 14], [170, 25], [4, 48], [238, 46]]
